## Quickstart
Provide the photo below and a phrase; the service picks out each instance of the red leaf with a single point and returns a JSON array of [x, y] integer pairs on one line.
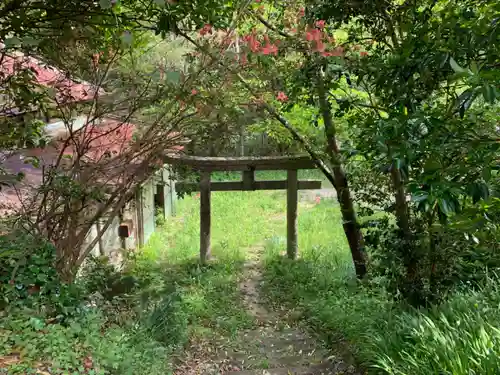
[[282, 97], [207, 29], [320, 24]]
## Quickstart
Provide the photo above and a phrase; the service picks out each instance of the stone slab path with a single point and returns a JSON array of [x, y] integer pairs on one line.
[[271, 347]]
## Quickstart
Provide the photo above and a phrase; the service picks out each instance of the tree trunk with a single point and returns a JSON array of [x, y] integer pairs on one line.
[[350, 223], [401, 204], [403, 222], [351, 227]]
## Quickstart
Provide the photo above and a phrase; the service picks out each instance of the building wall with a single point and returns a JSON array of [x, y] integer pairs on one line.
[[169, 193], [110, 244], [60, 128], [96, 251], [148, 190], [140, 214]]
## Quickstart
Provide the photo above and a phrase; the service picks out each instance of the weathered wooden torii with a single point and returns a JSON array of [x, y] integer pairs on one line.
[[248, 166]]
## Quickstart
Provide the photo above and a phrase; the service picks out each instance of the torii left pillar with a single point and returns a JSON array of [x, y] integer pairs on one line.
[[205, 216]]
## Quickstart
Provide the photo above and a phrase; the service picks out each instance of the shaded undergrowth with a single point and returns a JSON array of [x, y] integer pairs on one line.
[[152, 312]]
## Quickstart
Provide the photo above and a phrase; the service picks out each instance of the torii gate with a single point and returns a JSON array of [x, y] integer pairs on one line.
[[248, 166]]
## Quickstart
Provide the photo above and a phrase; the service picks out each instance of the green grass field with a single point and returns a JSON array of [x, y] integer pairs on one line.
[[208, 296], [318, 289], [240, 221]]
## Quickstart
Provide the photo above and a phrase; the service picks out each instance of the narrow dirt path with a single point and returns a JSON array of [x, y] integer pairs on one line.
[[280, 349], [270, 347]]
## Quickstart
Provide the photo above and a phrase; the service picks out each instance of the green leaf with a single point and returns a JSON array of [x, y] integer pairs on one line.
[[105, 4], [173, 77], [12, 42], [432, 165], [419, 197], [457, 68], [489, 93], [474, 68], [444, 206], [34, 161], [465, 100], [76, 328], [160, 3], [486, 173], [478, 191], [30, 41], [127, 38]]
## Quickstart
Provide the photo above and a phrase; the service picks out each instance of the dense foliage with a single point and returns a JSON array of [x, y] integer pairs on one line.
[[405, 97], [397, 102]]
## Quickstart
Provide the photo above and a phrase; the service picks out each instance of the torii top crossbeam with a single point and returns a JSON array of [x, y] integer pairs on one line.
[[203, 163], [248, 165]]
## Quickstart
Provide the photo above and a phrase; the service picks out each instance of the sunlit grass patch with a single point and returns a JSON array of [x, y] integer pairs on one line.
[[205, 299]]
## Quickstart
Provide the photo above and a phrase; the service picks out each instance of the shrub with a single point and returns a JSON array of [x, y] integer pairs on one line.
[[434, 262], [460, 336], [90, 325], [84, 343], [159, 216], [100, 276], [28, 277]]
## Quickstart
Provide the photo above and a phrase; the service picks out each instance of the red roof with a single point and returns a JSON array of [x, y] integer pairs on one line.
[[103, 143], [67, 90], [108, 139]]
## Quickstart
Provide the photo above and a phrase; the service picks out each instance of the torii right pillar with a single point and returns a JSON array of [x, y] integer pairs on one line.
[[291, 213]]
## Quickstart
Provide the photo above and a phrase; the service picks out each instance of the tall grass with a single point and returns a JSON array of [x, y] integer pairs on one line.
[[320, 286], [458, 337], [461, 337]]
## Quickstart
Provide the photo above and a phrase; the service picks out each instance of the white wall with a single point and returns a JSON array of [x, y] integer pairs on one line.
[[111, 244], [148, 208], [170, 195], [60, 128]]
